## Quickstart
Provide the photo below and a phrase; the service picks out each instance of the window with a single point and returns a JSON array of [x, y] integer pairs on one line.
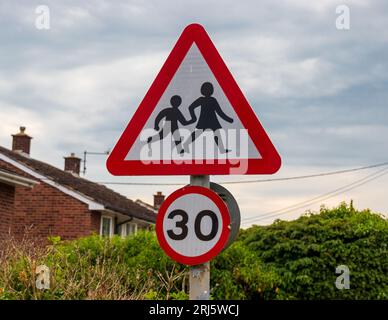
[[131, 228], [128, 229], [106, 226]]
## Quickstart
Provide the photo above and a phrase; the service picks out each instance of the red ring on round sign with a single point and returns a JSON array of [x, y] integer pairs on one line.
[[220, 244]]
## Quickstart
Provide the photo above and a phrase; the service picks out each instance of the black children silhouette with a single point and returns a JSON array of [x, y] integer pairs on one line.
[[172, 117], [208, 119]]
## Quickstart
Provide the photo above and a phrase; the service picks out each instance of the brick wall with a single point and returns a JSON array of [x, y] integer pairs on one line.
[[6, 208], [96, 220], [44, 210]]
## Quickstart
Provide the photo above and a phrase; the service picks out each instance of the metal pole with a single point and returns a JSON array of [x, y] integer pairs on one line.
[[199, 284]]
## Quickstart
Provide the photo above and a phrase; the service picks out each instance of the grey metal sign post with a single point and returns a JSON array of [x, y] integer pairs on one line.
[[199, 283]]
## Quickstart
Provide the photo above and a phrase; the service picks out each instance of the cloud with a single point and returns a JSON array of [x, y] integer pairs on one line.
[[319, 92]]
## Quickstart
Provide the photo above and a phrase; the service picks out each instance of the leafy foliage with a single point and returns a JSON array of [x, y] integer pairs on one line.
[[286, 260], [93, 268], [237, 273], [306, 252]]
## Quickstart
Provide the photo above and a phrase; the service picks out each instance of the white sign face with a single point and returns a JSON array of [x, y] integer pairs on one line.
[[193, 104], [192, 225]]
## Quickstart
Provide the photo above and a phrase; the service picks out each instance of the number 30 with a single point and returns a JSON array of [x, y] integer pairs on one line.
[[182, 224]]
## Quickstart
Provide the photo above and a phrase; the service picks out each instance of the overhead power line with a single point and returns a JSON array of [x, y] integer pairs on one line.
[[329, 173], [322, 174], [320, 198], [325, 196]]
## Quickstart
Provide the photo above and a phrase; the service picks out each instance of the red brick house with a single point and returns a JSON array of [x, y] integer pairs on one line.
[[40, 199]]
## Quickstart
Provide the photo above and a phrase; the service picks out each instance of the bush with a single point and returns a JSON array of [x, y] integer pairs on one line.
[[92, 268], [286, 260], [237, 273], [305, 252]]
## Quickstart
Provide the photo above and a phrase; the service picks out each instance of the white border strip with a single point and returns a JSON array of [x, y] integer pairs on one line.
[[14, 179], [91, 204]]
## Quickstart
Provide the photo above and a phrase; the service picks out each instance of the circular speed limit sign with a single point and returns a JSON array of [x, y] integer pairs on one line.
[[192, 225]]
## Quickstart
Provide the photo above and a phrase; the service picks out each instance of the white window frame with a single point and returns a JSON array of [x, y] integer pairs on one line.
[[123, 228], [111, 224]]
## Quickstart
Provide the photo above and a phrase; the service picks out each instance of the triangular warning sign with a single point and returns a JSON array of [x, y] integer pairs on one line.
[[194, 120]]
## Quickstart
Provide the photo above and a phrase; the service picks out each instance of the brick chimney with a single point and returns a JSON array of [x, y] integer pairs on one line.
[[73, 164], [158, 199], [21, 142]]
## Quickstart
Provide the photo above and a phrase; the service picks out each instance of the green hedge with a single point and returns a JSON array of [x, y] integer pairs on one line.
[[286, 260], [130, 268], [305, 253]]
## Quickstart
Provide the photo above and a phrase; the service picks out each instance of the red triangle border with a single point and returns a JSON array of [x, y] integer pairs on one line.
[[270, 160]]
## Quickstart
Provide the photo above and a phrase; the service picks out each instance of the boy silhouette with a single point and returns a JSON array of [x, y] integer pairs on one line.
[[172, 116], [208, 117]]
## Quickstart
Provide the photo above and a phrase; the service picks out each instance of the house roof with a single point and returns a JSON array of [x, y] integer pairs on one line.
[[146, 205], [110, 199]]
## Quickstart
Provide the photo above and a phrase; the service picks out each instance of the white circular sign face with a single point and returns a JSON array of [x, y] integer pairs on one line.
[[202, 233], [192, 225]]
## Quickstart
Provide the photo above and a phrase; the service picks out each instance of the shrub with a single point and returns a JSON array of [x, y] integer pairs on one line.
[[286, 260], [92, 268], [237, 273], [306, 252]]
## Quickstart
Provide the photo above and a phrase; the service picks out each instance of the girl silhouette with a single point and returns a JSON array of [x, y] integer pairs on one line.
[[208, 118]]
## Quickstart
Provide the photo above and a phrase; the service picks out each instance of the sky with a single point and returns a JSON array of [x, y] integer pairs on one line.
[[320, 92]]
